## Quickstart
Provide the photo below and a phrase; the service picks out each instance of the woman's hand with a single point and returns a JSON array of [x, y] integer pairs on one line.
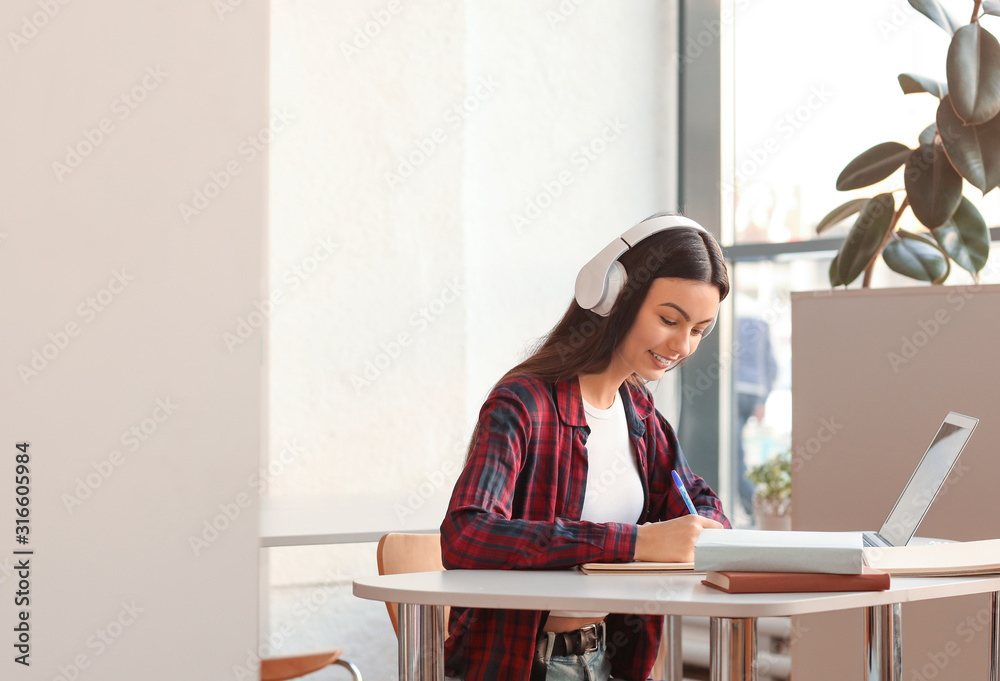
[[671, 541]]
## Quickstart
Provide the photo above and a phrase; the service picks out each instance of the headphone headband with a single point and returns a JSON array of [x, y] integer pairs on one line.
[[601, 279]]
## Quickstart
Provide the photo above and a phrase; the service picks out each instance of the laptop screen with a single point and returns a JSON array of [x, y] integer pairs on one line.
[[927, 479]]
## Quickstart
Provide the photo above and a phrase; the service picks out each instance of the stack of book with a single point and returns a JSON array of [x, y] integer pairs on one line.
[[762, 561]]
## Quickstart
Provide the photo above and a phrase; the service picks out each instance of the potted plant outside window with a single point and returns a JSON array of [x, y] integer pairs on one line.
[[961, 145], [772, 499]]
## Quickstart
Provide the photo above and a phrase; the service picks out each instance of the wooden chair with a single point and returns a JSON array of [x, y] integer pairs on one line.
[[294, 666], [400, 553]]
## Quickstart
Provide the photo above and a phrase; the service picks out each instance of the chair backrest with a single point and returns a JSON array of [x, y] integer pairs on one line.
[[400, 553]]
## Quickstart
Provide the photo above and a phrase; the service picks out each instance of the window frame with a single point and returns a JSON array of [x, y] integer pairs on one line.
[[705, 423]]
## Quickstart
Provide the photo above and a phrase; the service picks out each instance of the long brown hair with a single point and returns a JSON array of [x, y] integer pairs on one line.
[[584, 342]]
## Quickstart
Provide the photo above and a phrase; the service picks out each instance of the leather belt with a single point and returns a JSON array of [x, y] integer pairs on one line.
[[583, 640], [577, 642]]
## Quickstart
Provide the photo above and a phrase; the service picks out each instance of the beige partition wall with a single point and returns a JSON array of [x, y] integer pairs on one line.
[[873, 374], [131, 243]]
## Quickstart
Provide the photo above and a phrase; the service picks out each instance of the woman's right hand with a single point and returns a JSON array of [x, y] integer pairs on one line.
[[671, 541]]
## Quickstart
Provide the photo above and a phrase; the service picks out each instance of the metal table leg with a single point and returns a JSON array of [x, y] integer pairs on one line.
[[883, 642], [995, 637], [421, 642], [673, 662], [733, 649]]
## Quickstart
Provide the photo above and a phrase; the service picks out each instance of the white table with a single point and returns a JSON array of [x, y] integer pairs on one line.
[[733, 617], [348, 519]]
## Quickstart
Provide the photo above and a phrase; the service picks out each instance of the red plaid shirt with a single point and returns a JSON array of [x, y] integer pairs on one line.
[[517, 505]]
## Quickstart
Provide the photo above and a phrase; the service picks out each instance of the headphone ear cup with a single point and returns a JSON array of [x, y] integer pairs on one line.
[[613, 284]]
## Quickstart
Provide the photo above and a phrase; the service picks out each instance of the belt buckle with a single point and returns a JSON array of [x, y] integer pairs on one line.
[[590, 627]]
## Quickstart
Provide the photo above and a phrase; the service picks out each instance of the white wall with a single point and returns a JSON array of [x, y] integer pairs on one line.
[[491, 103], [117, 592]]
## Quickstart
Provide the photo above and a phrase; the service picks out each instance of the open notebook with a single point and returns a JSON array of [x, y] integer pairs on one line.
[[953, 559]]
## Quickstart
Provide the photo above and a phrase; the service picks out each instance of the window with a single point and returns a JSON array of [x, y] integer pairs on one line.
[[796, 105]]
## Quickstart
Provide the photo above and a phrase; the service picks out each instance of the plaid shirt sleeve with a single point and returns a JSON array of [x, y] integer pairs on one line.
[[500, 517]]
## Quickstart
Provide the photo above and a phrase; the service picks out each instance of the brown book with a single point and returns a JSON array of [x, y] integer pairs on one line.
[[795, 582]]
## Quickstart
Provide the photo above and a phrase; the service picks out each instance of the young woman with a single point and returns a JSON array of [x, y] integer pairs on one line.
[[571, 463]]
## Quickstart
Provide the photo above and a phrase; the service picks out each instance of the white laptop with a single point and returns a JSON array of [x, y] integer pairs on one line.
[[925, 483]]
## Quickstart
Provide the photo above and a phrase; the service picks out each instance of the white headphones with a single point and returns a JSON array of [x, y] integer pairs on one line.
[[602, 279]]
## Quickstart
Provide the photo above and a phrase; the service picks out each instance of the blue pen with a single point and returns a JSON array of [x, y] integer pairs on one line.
[[679, 484]]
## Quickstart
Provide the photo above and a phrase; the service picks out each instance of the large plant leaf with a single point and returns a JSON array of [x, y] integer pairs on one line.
[[835, 271], [865, 239], [841, 212], [912, 84], [927, 134], [933, 187], [965, 237], [916, 257], [935, 11], [991, 7], [873, 165], [974, 150], [974, 74]]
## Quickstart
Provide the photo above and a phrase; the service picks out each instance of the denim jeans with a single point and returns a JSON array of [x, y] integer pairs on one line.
[[593, 666]]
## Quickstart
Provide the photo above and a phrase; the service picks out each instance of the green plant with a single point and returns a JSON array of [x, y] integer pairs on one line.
[[962, 143], [773, 480]]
